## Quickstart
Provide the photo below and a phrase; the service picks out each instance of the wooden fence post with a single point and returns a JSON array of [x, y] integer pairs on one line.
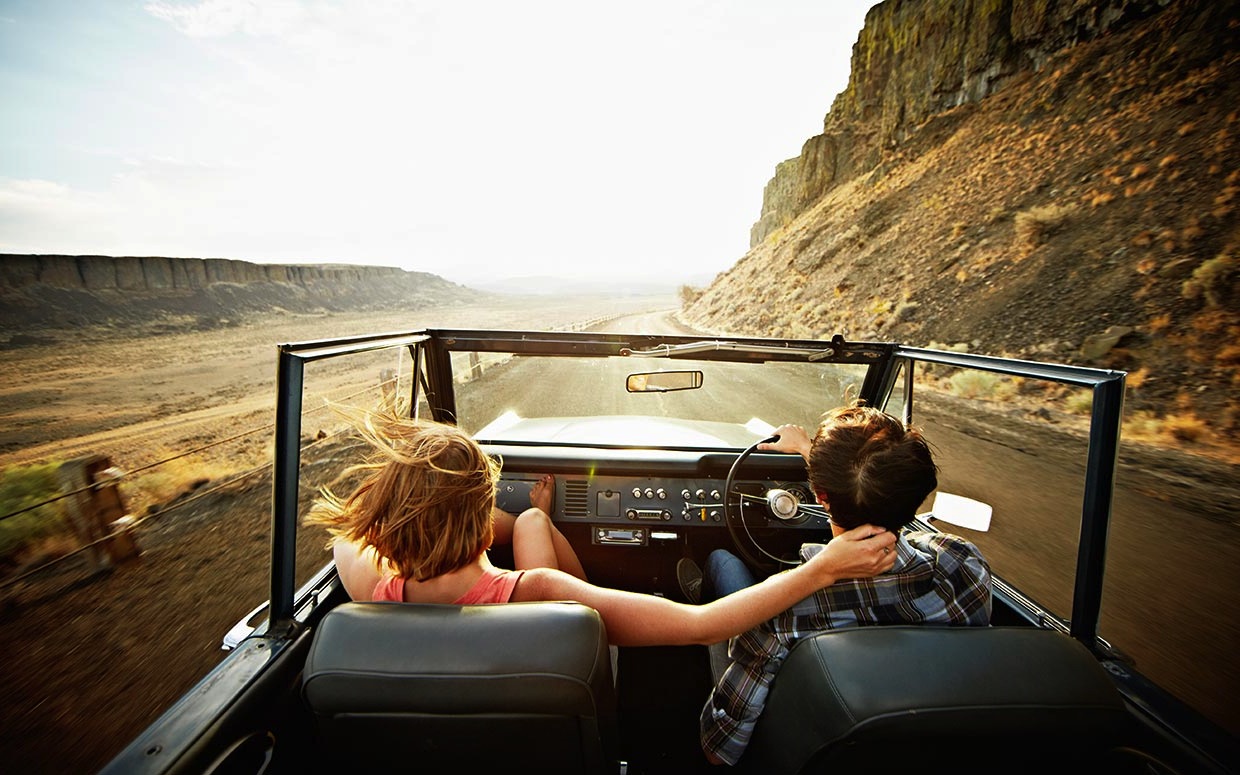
[[97, 510]]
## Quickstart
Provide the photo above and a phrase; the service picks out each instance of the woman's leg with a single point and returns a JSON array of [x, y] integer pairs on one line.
[[501, 523], [536, 541]]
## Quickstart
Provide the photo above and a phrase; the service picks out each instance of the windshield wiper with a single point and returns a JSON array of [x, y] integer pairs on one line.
[[669, 350]]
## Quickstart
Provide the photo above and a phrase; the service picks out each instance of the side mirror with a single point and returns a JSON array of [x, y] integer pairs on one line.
[[663, 381], [961, 511]]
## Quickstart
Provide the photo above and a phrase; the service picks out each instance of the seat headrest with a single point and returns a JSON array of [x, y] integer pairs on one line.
[[462, 659], [524, 686], [855, 693]]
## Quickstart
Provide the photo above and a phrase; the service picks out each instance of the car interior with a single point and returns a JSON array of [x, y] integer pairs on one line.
[[316, 682]]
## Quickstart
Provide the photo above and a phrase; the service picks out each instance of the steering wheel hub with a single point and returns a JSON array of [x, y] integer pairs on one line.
[[783, 505]]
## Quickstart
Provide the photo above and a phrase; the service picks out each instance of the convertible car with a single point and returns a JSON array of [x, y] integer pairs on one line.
[[653, 443]]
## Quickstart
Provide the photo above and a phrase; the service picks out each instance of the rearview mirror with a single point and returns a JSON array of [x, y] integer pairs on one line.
[[663, 381]]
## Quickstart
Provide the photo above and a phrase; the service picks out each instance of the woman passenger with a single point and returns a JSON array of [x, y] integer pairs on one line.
[[417, 529]]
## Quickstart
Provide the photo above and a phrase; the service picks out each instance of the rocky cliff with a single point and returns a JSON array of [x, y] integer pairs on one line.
[[44, 290], [1048, 179], [918, 58]]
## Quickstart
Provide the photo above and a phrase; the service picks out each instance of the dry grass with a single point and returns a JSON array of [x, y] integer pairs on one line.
[[175, 477], [1186, 427], [1173, 429], [1035, 225], [1215, 280]]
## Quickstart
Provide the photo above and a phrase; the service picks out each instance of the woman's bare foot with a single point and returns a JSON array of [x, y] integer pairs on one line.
[[542, 494]]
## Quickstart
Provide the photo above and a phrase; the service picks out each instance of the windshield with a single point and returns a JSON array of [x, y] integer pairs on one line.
[[589, 400]]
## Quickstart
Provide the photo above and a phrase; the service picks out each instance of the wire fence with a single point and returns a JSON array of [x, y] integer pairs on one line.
[[181, 502], [381, 385]]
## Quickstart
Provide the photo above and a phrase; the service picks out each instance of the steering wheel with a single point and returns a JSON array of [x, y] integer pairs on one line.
[[778, 504]]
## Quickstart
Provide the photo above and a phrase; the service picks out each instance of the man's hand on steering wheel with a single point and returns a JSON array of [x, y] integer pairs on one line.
[[788, 438]]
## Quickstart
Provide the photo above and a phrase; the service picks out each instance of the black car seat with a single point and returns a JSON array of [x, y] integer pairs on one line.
[[519, 687], [958, 699]]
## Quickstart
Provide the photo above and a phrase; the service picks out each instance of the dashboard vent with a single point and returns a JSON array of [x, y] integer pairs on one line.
[[576, 498]]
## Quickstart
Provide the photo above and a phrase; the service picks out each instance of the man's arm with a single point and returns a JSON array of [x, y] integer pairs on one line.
[[732, 710]]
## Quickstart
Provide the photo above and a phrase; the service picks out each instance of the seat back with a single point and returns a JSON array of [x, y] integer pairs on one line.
[[438, 687], [980, 699]]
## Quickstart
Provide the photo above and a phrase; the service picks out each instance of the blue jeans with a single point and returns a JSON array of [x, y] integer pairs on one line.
[[725, 573]]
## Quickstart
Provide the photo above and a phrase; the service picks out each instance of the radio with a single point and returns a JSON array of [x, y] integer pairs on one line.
[[658, 515]]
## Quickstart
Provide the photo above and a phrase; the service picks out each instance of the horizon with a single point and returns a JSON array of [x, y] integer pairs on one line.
[[477, 143]]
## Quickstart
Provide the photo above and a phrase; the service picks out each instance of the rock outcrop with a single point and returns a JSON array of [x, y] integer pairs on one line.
[[41, 290], [1027, 178], [918, 58]]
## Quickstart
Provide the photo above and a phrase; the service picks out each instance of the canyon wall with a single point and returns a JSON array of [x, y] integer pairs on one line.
[[46, 290], [918, 58]]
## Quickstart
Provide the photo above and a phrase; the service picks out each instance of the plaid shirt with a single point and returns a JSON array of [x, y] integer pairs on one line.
[[937, 578]]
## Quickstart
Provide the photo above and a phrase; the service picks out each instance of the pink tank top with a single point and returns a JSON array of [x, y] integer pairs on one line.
[[493, 586]]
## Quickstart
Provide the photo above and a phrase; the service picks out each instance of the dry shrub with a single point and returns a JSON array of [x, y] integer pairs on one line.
[[689, 294], [1184, 427], [970, 383], [1079, 402], [1142, 425], [1034, 225], [1215, 280]]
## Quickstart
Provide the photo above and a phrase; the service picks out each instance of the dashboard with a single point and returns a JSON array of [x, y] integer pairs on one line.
[[627, 509], [631, 514]]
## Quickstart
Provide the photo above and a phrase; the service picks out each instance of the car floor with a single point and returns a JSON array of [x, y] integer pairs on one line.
[[660, 693]]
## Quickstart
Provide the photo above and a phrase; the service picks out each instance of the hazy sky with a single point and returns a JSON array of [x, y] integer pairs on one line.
[[476, 140]]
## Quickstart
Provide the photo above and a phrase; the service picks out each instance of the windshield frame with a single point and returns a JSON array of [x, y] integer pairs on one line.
[[440, 384]]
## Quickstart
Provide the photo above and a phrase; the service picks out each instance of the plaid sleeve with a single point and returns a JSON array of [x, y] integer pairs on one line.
[[734, 705]]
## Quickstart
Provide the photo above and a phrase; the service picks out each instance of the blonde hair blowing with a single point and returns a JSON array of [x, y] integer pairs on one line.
[[425, 503]]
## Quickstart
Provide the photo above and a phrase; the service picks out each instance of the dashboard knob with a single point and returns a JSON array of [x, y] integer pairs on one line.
[[686, 494], [661, 494], [649, 492], [714, 495], [700, 495], [637, 492]]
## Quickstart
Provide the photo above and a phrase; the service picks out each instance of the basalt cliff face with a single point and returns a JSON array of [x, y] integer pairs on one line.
[[918, 58], [42, 290], [1052, 179]]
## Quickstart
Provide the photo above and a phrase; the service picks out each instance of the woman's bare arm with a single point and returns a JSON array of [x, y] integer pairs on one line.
[[358, 569], [634, 619]]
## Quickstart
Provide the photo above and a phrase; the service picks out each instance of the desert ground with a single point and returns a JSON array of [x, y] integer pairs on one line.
[[94, 655]]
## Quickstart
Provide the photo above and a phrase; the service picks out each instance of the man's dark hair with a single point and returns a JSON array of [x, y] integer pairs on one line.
[[869, 468]]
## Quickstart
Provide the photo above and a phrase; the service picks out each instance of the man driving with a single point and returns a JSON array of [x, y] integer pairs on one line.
[[864, 466]]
